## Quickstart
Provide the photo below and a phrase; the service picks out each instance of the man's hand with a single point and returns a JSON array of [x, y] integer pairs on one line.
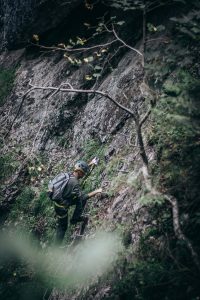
[[94, 161], [99, 190], [94, 193]]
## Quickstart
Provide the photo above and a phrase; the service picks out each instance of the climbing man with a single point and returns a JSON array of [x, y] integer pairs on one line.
[[71, 195]]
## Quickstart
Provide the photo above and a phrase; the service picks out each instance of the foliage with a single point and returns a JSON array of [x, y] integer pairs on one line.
[[117, 182], [187, 26], [33, 213], [92, 148], [149, 199], [158, 270], [8, 166], [176, 139], [7, 77]]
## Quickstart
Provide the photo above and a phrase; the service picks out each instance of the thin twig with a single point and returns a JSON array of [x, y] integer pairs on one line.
[[125, 44]]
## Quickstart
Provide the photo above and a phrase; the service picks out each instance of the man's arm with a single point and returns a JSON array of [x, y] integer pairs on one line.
[[94, 193], [81, 201]]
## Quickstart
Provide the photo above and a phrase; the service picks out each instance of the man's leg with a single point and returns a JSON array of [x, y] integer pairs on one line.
[[78, 212], [83, 225], [77, 216], [62, 224]]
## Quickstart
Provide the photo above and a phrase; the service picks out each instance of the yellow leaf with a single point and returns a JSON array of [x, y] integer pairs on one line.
[[78, 61], [36, 37], [31, 168], [80, 41], [88, 77]]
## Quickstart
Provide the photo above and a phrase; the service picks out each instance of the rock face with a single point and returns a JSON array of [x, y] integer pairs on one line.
[[60, 127], [50, 131], [20, 19]]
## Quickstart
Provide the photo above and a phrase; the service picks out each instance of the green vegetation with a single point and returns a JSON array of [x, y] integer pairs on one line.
[[92, 148], [33, 213], [7, 77], [158, 266], [8, 166]]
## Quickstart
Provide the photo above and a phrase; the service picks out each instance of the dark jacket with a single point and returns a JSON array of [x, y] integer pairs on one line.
[[72, 192], [72, 195]]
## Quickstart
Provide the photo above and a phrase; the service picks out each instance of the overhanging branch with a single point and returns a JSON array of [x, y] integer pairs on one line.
[[68, 90]]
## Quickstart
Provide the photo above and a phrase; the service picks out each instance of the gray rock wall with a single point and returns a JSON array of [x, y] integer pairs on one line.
[[21, 19]]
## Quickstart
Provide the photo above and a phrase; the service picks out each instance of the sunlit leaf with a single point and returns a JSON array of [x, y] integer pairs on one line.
[[98, 68], [96, 75], [120, 23], [36, 37], [86, 24], [88, 77]]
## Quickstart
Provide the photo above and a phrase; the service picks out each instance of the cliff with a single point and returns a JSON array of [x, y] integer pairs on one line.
[[146, 139]]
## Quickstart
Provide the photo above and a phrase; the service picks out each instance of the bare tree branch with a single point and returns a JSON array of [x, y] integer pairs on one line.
[[69, 90], [125, 44], [178, 231], [145, 117], [175, 212], [65, 49]]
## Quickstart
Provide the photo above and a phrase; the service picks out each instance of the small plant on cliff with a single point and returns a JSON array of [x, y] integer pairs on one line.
[[7, 77]]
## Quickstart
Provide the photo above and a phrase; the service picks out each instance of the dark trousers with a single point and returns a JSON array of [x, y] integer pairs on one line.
[[62, 223], [62, 218]]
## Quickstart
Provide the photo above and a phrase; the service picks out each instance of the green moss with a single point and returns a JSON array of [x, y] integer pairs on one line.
[[175, 137], [171, 89], [7, 77], [8, 166], [92, 149], [34, 214]]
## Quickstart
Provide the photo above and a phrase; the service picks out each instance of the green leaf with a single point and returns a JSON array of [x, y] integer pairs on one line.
[[120, 23], [98, 68], [88, 59], [160, 28], [96, 75]]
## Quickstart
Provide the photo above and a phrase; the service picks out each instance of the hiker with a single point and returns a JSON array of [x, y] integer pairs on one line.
[[72, 195]]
